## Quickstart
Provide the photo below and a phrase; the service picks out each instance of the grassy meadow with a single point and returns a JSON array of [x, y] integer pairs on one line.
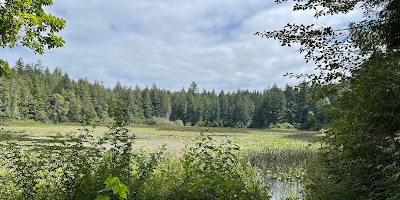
[[174, 137], [280, 155]]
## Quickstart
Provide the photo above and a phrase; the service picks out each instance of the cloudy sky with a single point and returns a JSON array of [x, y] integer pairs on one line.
[[174, 42]]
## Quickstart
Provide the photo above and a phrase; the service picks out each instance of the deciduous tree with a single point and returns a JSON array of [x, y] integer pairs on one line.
[[24, 23], [361, 64]]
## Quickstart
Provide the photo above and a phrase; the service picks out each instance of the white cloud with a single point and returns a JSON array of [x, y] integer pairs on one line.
[[174, 42]]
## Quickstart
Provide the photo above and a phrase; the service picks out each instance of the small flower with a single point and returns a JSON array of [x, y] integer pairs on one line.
[[169, 151], [176, 155], [248, 164], [180, 157]]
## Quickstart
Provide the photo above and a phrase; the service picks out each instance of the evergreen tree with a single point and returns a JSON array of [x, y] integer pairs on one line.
[[86, 101], [165, 105], [226, 109], [146, 103], [14, 105], [214, 109], [273, 106], [179, 106], [75, 107], [99, 101], [291, 105], [193, 89], [36, 93], [155, 96], [39, 109], [137, 107], [243, 110]]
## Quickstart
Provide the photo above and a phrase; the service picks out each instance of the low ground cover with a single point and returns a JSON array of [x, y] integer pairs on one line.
[[278, 155]]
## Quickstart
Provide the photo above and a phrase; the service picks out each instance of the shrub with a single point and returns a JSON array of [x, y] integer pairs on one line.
[[160, 121], [179, 123], [281, 126], [188, 124], [206, 171]]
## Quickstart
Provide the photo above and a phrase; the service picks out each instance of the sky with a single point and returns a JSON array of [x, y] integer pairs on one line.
[[174, 42]]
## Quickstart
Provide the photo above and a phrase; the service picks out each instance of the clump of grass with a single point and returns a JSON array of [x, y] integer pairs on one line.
[[282, 168], [284, 164], [284, 158]]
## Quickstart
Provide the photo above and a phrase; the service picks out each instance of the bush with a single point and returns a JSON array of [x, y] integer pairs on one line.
[[281, 126], [179, 123], [200, 123], [136, 120], [74, 168], [188, 124], [160, 121], [297, 125], [206, 171]]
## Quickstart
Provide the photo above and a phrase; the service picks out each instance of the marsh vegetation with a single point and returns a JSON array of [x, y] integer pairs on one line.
[[272, 160]]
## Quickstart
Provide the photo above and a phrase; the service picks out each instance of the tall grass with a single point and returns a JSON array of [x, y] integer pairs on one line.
[[279, 155], [283, 158], [282, 168], [75, 167]]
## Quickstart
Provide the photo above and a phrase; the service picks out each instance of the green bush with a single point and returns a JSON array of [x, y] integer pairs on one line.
[[360, 156], [206, 171], [281, 126], [188, 124], [77, 166], [161, 121]]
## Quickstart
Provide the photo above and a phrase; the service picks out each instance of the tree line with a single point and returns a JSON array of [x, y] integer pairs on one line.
[[33, 92]]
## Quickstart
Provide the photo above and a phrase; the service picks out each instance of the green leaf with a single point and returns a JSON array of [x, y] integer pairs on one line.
[[121, 189], [112, 181], [3, 68]]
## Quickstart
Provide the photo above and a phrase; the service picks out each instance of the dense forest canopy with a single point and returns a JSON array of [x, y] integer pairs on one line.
[[33, 92]]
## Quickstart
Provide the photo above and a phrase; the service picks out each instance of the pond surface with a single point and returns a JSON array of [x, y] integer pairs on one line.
[[280, 190]]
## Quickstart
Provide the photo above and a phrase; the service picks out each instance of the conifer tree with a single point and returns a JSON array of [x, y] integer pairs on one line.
[[146, 103]]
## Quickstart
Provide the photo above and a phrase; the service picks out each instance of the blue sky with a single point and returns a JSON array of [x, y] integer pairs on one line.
[[174, 42]]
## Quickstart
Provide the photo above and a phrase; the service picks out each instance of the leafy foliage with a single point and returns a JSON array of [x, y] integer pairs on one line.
[[339, 51], [205, 171], [76, 167], [25, 23], [359, 64], [114, 184], [363, 139]]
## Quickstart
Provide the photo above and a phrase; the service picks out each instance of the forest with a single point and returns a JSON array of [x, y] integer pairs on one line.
[[34, 93]]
